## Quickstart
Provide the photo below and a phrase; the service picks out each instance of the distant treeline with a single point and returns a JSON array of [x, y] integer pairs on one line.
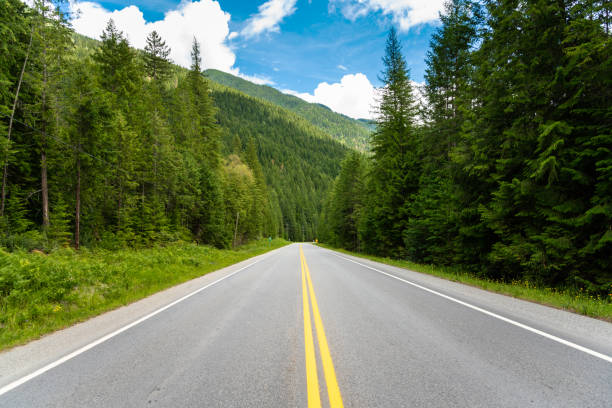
[[352, 133], [107, 146], [299, 161], [506, 169]]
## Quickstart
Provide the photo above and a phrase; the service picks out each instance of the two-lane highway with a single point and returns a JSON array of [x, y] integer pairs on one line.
[[309, 327]]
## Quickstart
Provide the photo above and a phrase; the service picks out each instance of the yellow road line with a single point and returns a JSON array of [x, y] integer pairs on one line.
[[333, 391], [312, 382]]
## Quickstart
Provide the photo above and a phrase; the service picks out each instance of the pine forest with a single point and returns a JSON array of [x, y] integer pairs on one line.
[[107, 146], [501, 165], [505, 168]]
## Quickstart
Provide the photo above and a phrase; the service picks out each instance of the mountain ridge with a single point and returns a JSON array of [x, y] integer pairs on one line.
[[353, 133]]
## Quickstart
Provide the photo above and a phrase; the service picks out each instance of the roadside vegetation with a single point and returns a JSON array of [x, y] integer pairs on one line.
[[503, 167], [575, 300], [41, 293]]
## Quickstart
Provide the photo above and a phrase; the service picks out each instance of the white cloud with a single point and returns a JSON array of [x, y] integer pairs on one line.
[[353, 96], [270, 14], [305, 96], [342, 67], [256, 79], [405, 13], [203, 19]]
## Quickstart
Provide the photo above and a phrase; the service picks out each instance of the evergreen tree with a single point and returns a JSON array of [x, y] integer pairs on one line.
[[13, 54], [517, 103], [119, 69], [157, 172], [50, 41], [157, 64], [194, 118], [346, 202], [260, 205], [395, 164], [196, 58], [449, 75], [587, 159], [85, 117], [120, 75], [433, 226], [207, 129]]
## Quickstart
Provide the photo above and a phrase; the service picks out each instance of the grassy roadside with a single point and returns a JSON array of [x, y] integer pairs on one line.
[[573, 301], [42, 293]]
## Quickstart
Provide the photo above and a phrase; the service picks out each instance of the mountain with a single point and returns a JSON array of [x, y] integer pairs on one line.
[[299, 156], [353, 133], [137, 152], [299, 161]]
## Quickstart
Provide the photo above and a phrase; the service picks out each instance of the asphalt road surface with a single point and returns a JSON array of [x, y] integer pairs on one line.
[[307, 327]]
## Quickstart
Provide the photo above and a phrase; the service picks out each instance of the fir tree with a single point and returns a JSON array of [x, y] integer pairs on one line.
[[347, 199], [395, 165], [157, 64], [13, 53], [50, 41], [196, 58], [431, 236], [119, 70]]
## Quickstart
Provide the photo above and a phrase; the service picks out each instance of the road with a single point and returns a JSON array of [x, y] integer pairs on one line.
[[303, 326]]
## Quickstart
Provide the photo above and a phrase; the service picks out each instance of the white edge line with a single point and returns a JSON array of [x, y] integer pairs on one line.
[[505, 319], [101, 340]]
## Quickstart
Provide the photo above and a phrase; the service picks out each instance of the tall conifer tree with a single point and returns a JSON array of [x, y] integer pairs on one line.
[[436, 209], [50, 41], [395, 165], [157, 64]]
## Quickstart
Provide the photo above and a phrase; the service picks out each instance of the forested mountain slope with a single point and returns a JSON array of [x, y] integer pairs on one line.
[[110, 146], [351, 132], [299, 161]]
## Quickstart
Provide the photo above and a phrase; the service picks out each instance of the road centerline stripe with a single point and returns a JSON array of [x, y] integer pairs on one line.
[[488, 313], [44, 369], [333, 390], [312, 381]]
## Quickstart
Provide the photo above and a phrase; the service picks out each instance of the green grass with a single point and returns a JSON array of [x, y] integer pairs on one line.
[[42, 293], [576, 301]]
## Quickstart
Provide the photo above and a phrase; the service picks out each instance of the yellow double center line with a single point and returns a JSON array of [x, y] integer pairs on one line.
[[312, 381]]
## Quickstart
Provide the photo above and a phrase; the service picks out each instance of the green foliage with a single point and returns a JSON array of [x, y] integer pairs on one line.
[[239, 196], [353, 133], [134, 150], [342, 212], [13, 30], [395, 165], [119, 69], [41, 293], [298, 161], [509, 174], [157, 64]]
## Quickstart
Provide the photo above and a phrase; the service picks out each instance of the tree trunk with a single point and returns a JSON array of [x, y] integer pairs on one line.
[[5, 169], [44, 187], [77, 211], [43, 149], [43, 180]]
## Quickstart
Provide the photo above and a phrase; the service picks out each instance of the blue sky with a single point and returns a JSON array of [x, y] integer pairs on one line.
[[326, 51]]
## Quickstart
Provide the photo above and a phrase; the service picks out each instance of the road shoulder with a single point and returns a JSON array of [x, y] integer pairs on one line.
[[586, 331], [23, 360]]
